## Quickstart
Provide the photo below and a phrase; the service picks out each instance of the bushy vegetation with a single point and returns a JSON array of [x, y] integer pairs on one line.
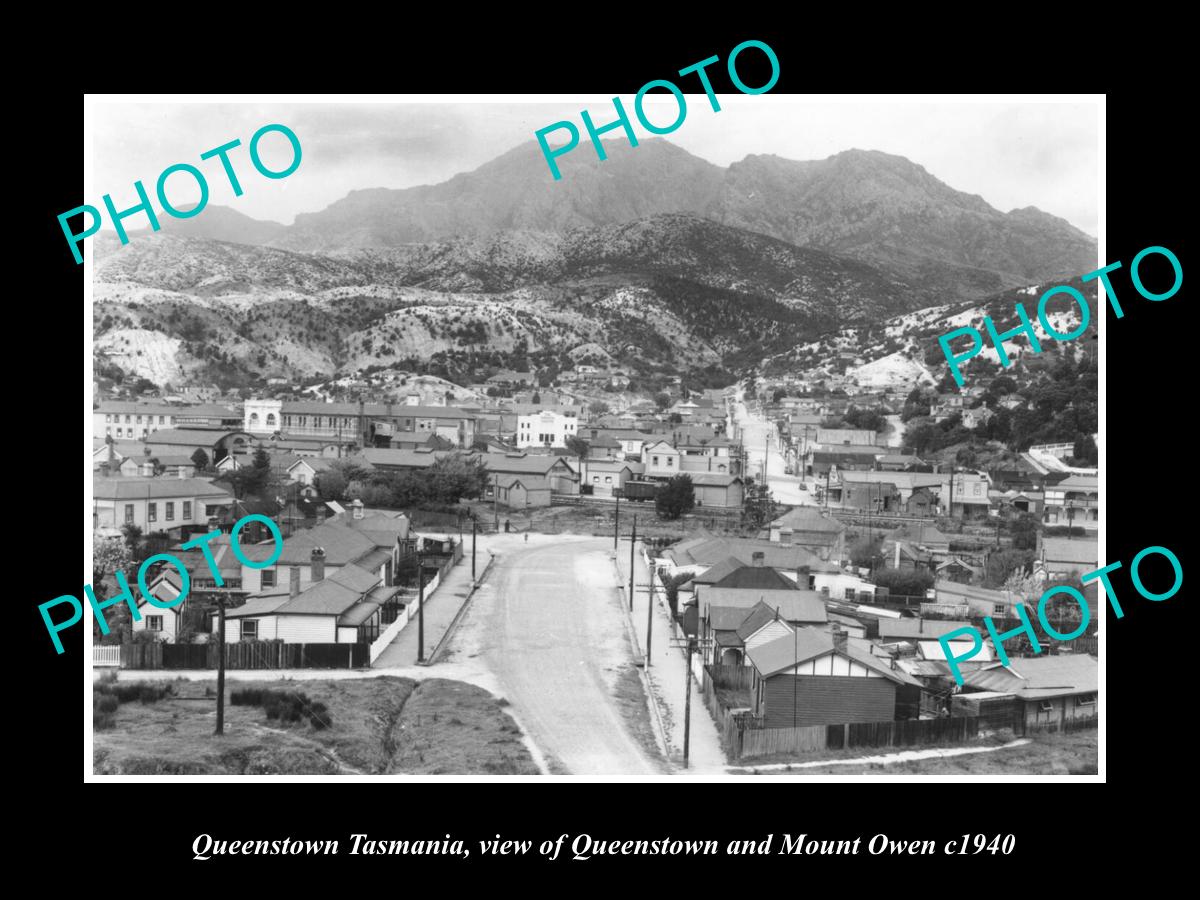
[[285, 706], [450, 479], [675, 497], [108, 694]]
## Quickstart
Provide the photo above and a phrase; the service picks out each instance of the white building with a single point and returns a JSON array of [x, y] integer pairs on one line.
[[545, 429]]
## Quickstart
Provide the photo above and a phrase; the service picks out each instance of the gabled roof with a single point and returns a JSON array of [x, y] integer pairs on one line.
[[530, 464], [806, 518], [918, 628], [132, 488], [712, 479], [1038, 677], [919, 533], [190, 437], [756, 577], [1066, 550], [756, 617], [804, 644], [712, 550], [529, 482], [406, 459]]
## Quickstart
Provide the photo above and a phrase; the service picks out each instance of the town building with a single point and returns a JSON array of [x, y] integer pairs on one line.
[[177, 506], [546, 429]]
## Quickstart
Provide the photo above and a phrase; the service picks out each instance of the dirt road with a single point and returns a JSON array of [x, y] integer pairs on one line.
[[547, 625]]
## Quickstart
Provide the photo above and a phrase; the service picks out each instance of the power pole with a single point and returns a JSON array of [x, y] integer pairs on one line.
[[687, 703], [474, 537], [617, 520], [420, 610], [632, 542], [649, 616], [221, 667], [496, 503], [766, 456]]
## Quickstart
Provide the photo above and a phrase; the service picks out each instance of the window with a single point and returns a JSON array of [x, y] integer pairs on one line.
[[849, 593], [1085, 699], [187, 509], [253, 418], [154, 623], [162, 420], [119, 432], [1046, 706], [139, 420], [128, 512], [108, 417], [152, 512], [596, 479], [670, 461], [317, 421], [268, 578], [211, 509], [170, 511], [608, 479], [128, 419], [270, 418], [654, 460], [249, 629], [108, 430]]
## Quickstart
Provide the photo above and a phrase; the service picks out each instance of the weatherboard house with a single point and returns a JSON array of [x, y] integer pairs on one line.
[[813, 677]]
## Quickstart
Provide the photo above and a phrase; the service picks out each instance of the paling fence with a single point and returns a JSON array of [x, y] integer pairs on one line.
[[244, 655]]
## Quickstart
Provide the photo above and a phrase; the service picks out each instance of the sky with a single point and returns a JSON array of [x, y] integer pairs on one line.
[[1013, 154]]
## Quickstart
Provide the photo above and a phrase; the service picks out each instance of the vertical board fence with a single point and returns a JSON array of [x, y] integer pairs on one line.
[[245, 655]]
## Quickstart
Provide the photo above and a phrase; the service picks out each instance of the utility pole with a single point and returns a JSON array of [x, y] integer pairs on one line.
[[649, 616], [687, 703], [420, 610], [496, 503], [474, 538], [221, 667], [632, 542], [617, 520], [766, 456]]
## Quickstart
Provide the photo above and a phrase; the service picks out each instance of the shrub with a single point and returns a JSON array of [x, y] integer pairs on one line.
[[105, 703], [103, 721], [252, 696]]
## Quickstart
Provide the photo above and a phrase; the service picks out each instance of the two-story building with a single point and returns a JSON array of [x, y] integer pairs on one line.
[[364, 424], [1074, 501], [546, 429], [177, 506]]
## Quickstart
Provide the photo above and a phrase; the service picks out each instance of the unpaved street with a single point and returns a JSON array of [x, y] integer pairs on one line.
[[547, 626]]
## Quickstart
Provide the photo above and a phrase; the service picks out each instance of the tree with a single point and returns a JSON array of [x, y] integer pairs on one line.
[[672, 584], [675, 498], [110, 555], [133, 536], [1025, 532], [778, 395], [578, 446], [1085, 449], [1002, 564], [456, 476], [200, 459], [757, 506], [904, 582], [662, 401], [597, 407], [675, 418], [331, 485], [864, 553], [537, 398]]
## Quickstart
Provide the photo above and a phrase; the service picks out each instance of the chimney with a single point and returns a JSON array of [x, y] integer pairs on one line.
[[839, 638], [357, 507], [757, 557], [318, 564], [294, 581], [103, 470]]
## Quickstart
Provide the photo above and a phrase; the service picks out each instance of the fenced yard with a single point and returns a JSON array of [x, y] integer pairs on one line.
[[727, 688]]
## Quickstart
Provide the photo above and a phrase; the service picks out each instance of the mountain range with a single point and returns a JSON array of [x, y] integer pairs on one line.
[[741, 262]]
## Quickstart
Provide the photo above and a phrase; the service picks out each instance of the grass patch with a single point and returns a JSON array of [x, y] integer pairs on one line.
[[383, 725]]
